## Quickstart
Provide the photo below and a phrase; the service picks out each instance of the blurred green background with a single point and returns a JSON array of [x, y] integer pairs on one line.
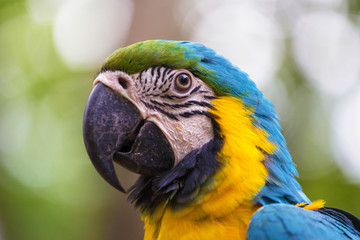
[[304, 55]]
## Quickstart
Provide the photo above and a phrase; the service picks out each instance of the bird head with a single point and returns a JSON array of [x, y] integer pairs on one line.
[[188, 121]]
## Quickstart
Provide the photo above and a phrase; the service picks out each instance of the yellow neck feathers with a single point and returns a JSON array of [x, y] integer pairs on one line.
[[224, 212]]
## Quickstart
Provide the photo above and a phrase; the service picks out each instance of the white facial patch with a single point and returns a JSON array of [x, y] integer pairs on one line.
[[175, 100]]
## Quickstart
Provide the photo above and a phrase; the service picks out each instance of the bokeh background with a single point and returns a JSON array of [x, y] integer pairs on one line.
[[304, 55]]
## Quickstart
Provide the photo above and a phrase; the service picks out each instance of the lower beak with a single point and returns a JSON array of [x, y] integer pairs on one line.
[[115, 131]]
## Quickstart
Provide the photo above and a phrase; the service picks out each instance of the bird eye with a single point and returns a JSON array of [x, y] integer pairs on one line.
[[183, 82]]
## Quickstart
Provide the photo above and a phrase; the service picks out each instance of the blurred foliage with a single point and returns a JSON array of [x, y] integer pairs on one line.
[[307, 134], [48, 188], [354, 6]]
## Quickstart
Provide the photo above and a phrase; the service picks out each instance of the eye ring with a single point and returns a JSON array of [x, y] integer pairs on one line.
[[183, 82]]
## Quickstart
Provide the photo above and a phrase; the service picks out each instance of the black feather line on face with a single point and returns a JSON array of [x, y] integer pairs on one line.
[[195, 89], [179, 185]]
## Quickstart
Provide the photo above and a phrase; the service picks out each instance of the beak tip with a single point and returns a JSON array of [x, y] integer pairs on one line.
[[118, 186], [107, 171]]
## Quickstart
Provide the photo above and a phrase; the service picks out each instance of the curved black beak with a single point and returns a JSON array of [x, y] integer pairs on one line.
[[115, 131]]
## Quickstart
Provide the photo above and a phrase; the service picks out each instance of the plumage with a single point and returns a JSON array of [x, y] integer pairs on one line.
[[283, 221], [232, 166]]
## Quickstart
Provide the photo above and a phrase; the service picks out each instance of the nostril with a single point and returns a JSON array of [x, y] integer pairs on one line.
[[123, 82]]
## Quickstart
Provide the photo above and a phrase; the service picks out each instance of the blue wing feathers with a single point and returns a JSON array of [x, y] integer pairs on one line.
[[354, 220], [283, 221]]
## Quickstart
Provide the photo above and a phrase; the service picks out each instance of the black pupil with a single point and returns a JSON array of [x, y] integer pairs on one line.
[[183, 79]]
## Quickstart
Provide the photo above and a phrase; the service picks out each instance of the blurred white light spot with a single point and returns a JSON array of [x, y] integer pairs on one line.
[[327, 47], [346, 134], [87, 31], [244, 35], [43, 11]]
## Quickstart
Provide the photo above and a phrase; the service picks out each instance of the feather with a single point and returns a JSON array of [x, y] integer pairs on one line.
[[283, 221]]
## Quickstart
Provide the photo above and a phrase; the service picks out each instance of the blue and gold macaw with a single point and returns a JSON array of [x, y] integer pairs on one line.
[[207, 144]]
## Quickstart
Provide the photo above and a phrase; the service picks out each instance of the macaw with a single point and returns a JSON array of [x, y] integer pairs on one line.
[[207, 144]]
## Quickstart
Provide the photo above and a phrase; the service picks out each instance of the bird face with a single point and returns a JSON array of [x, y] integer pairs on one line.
[[147, 121], [189, 122]]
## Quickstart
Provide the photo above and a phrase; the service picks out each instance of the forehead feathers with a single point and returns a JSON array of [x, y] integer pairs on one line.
[[203, 62]]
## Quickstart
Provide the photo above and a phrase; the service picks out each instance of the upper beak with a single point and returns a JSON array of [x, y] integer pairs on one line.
[[115, 131]]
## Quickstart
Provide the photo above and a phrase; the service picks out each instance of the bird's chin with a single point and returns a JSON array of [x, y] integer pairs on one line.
[[114, 130]]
